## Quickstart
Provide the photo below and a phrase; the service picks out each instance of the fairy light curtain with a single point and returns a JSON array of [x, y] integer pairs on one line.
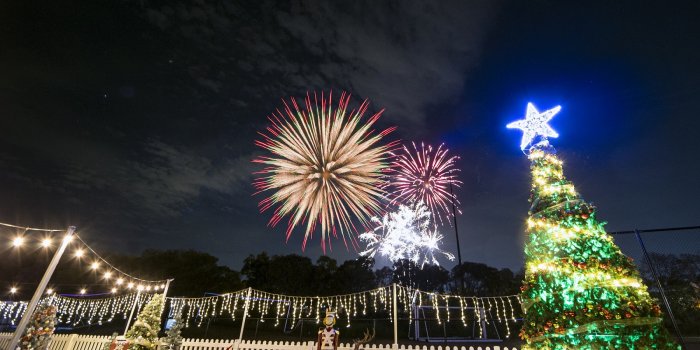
[[74, 311], [501, 309]]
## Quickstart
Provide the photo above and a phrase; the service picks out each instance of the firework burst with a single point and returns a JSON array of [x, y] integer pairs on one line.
[[425, 175], [405, 234], [326, 167]]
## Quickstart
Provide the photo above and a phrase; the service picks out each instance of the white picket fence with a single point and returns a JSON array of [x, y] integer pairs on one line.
[[97, 342]]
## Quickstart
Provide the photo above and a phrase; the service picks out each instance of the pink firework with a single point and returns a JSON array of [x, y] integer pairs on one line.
[[326, 166], [425, 175]]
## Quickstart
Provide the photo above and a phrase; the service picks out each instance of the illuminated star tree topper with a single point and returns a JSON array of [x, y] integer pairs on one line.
[[535, 126]]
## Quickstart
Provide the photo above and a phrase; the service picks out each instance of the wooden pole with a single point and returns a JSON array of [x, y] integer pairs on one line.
[[40, 289]]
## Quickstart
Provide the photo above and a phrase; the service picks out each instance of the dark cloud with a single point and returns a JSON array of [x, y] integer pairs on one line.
[[135, 120]]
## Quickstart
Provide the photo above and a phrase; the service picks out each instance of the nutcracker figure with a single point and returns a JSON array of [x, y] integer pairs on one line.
[[328, 336]]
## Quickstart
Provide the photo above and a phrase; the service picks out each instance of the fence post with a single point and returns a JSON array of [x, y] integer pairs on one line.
[[29, 311], [165, 295], [70, 344], [245, 315], [133, 308], [396, 320], [661, 288]]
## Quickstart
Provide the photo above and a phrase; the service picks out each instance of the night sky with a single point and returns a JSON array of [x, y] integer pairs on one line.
[[136, 120]]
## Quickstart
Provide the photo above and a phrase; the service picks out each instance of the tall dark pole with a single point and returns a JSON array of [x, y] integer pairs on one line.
[[459, 250], [454, 218], [661, 288]]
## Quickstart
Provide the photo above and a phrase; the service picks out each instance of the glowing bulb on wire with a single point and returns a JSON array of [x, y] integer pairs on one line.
[[120, 281], [94, 265], [13, 290], [107, 275], [79, 253], [83, 291], [18, 241], [46, 242]]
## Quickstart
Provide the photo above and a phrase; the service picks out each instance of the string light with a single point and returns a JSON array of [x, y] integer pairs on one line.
[[83, 291], [79, 253], [120, 281], [13, 290], [18, 241], [74, 311], [46, 242], [107, 275], [49, 291], [95, 265], [347, 305]]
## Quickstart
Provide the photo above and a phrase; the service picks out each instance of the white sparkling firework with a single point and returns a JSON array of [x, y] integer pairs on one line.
[[405, 234]]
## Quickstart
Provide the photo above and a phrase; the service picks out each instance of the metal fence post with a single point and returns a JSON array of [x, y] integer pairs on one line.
[[661, 288], [396, 319], [245, 315], [131, 314], [29, 311]]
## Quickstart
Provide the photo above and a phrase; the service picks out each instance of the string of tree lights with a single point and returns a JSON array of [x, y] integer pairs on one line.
[[33, 239], [447, 308], [74, 311]]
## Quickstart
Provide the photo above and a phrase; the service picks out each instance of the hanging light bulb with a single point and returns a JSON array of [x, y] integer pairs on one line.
[[120, 281], [49, 291], [13, 290], [83, 291], [107, 275], [114, 290], [94, 265], [130, 285], [46, 242], [139, 287], [18, 241], [79, 253]]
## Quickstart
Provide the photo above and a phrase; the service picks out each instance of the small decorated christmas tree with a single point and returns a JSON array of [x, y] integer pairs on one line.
[[580, 291], [143, 334], [39, 332], [173, 337]]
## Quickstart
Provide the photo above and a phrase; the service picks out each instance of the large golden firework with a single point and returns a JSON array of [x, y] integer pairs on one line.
[[326, 167]]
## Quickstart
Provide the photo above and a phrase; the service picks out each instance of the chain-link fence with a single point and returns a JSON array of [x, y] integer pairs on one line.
[[669, 262]]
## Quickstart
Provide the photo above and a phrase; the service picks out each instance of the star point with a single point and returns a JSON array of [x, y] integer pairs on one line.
[[534, 125]]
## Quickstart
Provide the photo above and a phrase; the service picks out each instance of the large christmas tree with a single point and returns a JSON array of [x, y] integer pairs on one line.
[[580, 291]]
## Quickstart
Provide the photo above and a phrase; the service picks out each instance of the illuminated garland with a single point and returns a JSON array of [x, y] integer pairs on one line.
[[74, 311], [500, 309]]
